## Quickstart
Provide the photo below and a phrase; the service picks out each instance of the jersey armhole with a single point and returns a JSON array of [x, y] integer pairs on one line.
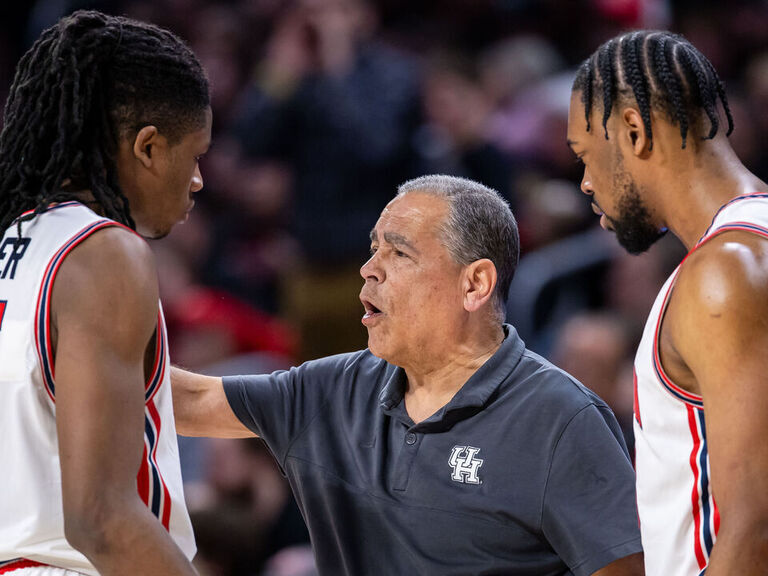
[[43, 344]]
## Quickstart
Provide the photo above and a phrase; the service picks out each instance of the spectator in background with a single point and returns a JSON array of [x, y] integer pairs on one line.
[[596, 348], [242, 509], [756, 83], [631, 282], [292, 561], [252, 250], [513, 73], [454, 140], [340, 110], [209, 325]]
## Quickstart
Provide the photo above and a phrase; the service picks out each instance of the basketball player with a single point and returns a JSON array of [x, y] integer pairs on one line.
[[104, 125], [648, 118]]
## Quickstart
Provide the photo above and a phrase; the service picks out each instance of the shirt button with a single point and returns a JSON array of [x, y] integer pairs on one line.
[[410, 438]]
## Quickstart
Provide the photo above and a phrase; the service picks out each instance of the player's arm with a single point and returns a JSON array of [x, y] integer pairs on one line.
[[631, 565], [104, 313], [201, 408], [721, 333]]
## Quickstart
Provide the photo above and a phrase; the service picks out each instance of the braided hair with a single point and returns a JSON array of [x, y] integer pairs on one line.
[[87, 82], [658, 69]]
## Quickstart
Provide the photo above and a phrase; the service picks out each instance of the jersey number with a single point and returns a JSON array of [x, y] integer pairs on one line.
[[2, 311]]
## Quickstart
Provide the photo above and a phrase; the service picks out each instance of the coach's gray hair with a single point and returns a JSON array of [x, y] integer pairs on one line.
[[479, 225]]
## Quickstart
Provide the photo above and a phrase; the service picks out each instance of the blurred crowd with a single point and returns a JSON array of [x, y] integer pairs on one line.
[[321, 108]]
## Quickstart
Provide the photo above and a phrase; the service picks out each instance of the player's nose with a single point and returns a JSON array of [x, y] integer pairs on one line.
[[197, 180], [586, 184]]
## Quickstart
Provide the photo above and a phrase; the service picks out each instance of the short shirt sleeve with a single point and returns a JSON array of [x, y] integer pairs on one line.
[[590, 508], [278, 406]]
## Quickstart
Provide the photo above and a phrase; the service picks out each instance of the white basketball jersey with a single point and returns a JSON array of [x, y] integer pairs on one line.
[[31, 516], [678, 515]]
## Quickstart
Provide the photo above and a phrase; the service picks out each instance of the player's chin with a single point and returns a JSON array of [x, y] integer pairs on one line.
[[161, 231]]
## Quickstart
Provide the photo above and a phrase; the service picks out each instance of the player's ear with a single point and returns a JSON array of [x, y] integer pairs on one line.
[[146, 139], [479, 284], [634, 131]]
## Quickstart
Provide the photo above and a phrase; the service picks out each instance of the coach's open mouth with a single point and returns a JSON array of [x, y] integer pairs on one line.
[[370, 308]]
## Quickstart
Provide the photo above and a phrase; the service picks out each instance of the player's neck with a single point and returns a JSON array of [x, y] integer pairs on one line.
[[84, 196], [700, 185]]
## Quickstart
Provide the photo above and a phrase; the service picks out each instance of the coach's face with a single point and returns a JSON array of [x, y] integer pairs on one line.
[[412, 293]]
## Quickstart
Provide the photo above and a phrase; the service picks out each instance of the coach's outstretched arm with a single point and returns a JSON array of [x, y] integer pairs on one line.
[[104, 315], [201, 408]]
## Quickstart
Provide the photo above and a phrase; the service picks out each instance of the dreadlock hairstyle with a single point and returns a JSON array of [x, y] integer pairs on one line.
[[659, 69], [85, 83]]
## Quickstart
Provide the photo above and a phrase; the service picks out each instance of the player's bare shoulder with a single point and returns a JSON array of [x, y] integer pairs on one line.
[[719, 307], [729, 273], [109, 276], [114, 256]]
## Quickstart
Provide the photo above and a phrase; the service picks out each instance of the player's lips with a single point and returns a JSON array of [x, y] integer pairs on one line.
[[189, 209], [604, 222]]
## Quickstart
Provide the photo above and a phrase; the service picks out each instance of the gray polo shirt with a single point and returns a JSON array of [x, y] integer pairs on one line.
[[523, 472]]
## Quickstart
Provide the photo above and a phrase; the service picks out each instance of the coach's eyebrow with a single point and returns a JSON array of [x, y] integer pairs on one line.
[[399, 240]]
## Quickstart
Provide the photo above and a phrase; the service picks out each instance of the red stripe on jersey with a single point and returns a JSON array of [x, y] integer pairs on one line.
[[636, 402], [166, 510], [695, 496], [731, 201], [142, 478], [49, 208], [158, 350], [674, 389], [736, 226], [158, 369], [19, 564], [43, 306]]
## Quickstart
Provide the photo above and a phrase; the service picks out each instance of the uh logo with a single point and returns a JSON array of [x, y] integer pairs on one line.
[[465, 464]]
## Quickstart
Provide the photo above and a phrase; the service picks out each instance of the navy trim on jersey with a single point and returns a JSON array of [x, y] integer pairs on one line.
[[706, 509], [149, 431], [49, 209], [44, 299], [724, 206]]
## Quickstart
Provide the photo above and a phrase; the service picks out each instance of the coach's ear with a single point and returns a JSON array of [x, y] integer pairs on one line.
[[479, 284], [146, 139]]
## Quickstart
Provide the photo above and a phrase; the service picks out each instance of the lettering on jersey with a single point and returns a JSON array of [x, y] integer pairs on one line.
[[11, 251], [3, 304], [465, 465]]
